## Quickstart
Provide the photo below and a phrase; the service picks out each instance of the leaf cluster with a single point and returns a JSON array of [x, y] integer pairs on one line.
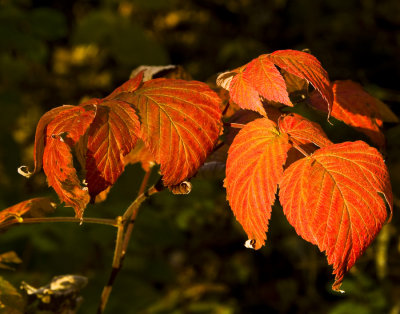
[[336, 196]]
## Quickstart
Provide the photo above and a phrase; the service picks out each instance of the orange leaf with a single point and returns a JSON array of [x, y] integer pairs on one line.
[[267, 80], [61, 134], [305, 66], [355, 107], [40, 139], [111, 136], [253, 170], [303, 130], [39, 205], [260, 77], [180, 124], [332, 199], [244, 94]]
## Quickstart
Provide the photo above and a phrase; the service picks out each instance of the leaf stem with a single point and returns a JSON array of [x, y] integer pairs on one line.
[[296, 145], [234, 125], [101, 221], [300, 149], [226, 108]]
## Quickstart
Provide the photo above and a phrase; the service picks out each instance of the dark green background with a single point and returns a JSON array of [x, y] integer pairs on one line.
[[187, 254]]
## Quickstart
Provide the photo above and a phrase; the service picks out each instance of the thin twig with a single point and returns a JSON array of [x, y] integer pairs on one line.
[[124, 235], [20, 220], [115, 266], [139, 200], [129, 228]]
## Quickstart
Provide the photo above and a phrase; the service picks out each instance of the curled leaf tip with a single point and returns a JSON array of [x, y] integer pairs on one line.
[[250, 244], [184, 187], [224, 79], [24, 171]]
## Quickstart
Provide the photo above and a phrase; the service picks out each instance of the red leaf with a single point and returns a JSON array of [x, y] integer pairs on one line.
[[180, 124], [332, 199], [40, 140], [305, 66], [129, 86], [253, 170], [37, 206], [355, 107], [267, 80], [303, 130], [111, 136], [61, 134], [244, 94]]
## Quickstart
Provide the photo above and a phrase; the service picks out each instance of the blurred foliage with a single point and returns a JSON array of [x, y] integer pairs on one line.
[[187, 253]]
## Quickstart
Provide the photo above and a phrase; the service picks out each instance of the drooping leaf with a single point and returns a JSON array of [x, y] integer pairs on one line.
[[62, 133], [303, 131], [355, 107], [253, 170], [304, 65], [37, 206], [111, 136], [180, 124], [333, 199], [40, 137]]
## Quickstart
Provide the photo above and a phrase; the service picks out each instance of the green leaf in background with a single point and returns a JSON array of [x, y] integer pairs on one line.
[[48, 24], [11, 301], [126, 42]]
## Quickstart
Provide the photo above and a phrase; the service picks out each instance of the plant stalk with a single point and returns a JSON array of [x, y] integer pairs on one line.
[[20, 220], [124, 235]]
